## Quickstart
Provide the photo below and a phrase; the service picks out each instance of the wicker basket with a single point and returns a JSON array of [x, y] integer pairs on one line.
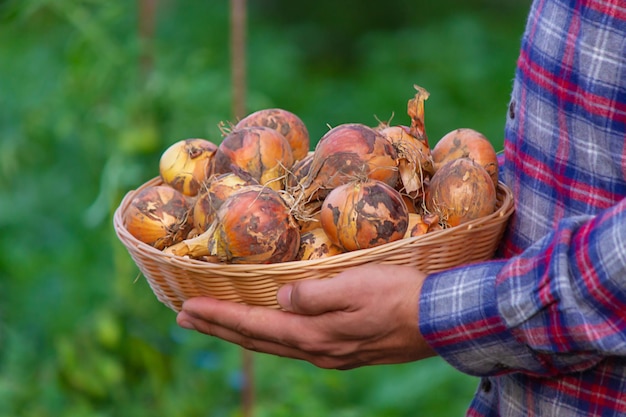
[[174, 279]]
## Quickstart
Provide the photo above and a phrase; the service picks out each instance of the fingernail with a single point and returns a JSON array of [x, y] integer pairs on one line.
[[186, 325], [283, 296]]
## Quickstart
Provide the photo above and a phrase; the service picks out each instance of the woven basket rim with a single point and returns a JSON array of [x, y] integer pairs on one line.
[[501, 214]]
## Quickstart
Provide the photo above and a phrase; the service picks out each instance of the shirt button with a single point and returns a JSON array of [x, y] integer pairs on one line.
[[485, 385], [512, 109]]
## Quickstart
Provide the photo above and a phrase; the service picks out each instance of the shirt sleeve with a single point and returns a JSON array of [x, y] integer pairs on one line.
[[558, 307]]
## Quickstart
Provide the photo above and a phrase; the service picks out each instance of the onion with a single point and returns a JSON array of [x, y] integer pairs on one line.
[[467, 143], [364, 214], [348, 152], [158, 215], [253, 225], [187, 164], [218, 189], [415, 163], [286, 123], [256, 151], [461, 190], [420, 224], [315, 244]]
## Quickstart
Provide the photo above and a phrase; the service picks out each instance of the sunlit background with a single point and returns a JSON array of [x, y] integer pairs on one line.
[[91, 93]]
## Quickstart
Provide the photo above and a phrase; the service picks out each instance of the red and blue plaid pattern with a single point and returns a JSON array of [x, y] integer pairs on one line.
[[545, 325]]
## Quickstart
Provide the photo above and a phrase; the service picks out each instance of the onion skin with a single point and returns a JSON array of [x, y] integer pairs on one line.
[[257, 151], [217, 190], [467, 143], [158, 216], [298, 172], [461, 190], [187, 164], [415, 163], [420, 224], [309, 219], [411, 203], [415, 110], [346, 153], [315, 244], [362, 215], [286, 123], [254, 225]]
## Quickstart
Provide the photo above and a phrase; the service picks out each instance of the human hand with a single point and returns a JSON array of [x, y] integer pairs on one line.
[[364, 316]]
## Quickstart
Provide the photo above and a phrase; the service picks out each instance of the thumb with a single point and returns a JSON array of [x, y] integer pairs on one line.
[[312, 296]]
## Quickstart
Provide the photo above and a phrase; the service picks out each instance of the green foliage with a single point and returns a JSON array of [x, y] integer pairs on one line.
[[82, 123]]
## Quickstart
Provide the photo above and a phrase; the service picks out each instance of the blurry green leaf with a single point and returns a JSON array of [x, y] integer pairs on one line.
[[141, 137], [87, 369], [81, 124]]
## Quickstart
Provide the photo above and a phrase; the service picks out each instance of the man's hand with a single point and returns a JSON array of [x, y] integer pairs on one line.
[[364, 316]]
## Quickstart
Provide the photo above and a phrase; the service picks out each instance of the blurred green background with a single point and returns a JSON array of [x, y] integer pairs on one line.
[[87, 105]]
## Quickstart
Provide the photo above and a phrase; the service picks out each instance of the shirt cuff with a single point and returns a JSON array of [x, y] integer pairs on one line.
[[460, 320]]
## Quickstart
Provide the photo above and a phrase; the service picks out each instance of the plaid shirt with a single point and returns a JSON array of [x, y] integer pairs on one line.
[[545, 324]]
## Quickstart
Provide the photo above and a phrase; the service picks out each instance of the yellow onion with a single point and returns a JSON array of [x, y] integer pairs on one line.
[[414, 160], [208, 202], [187, 164], [420, 224], [315, 244], [461, 190], [364, 214], [467, 143], [346, 153], [159, 216], [286, 123], [252, 226], [257, 151]]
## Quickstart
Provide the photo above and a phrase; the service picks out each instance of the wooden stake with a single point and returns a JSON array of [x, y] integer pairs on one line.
[[238, 56], [146, 26], [238, 72]]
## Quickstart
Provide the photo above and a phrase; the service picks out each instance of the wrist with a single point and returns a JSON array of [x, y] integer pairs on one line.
[[460, 320]]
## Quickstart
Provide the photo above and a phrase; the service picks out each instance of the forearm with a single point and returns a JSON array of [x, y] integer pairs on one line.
[[547, 311]]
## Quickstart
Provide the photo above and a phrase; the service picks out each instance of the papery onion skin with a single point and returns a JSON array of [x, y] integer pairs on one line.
[[415, 163], [460, 191], [415, 110], [311, 218], [254, 225], [315, 244], [420, 224], [159, 216], [346, 153], [217, 191], [298, 172], [187, 164], [258, 151], [467, 143], [411, 203], [362, 215], [286, 123]]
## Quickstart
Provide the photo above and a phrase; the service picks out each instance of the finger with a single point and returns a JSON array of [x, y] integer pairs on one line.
[[250, 322], [316, 357], [248, 342], [316, 296]]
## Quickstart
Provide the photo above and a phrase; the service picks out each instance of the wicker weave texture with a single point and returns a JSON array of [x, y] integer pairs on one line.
[[174, 279]]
